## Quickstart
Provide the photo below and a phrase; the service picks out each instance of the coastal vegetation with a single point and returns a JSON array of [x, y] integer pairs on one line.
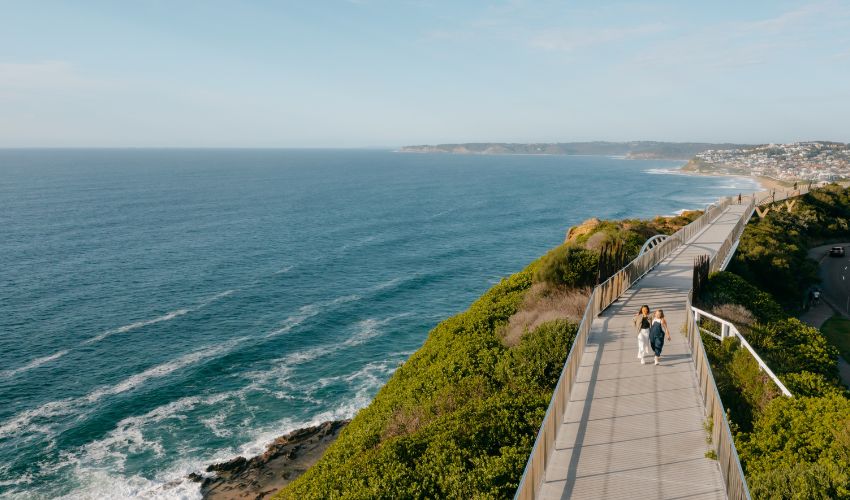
[[789, 447], [458, 419]]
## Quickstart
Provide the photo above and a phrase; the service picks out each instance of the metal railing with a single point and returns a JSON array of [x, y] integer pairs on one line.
[[728, 329], [774, 196], [724, 253], [603, 295], [721, 434]]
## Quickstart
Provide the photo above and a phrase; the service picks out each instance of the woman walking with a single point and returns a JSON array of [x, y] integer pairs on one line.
[[642, 321], [656, 334]]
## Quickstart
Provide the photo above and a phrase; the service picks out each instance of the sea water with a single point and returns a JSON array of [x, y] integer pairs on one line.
[[161, 310]]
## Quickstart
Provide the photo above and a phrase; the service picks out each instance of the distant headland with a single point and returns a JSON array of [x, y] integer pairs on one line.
[[639, 150]]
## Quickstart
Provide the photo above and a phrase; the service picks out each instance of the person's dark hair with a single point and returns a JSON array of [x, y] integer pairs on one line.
[[644, 307]]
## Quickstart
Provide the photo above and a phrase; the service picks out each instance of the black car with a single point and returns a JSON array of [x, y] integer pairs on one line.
[[836, 252]]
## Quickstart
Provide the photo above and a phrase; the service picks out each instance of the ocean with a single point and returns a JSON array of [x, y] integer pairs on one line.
[[161, 310]]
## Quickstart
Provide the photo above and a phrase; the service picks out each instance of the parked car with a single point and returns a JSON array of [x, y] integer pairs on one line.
[[836, 252]]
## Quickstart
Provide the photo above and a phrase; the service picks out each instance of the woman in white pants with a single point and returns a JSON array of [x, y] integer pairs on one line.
[[642, 321]]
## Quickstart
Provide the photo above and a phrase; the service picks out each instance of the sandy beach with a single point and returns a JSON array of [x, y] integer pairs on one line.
[[766, 183]]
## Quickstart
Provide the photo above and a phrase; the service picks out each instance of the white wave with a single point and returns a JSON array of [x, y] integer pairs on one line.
[[22, 480], [284, 270], [664, 171], [128, 436], [33, 364], [217, 296], [138, 324], [282, 368], [392, 283], [370, 328], [371, 375], [97, 484], [264, 436], [159, 319], [306, 312], [215, 424], [160, 371], [25, 422]]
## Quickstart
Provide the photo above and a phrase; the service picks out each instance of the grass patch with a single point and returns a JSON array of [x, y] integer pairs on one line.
[[837, 332]]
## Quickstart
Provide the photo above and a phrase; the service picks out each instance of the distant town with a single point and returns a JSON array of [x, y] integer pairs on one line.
[[797, 161]]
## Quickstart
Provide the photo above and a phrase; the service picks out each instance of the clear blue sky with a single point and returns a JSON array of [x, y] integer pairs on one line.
[[387, 73]]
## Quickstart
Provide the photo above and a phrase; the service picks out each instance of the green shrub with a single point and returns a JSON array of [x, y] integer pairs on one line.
[[799, 449], [756, 387], [792, 346], [568, 265], [808, 384], [729, 288], [540, 355]]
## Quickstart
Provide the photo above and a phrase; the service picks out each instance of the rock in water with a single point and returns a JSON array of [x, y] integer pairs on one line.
[[259, 477]]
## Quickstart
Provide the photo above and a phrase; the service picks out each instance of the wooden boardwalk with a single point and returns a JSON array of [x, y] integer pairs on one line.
[[632, 430]]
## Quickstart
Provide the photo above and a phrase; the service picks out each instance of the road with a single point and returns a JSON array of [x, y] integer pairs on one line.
[[835, 284], [835, 275]]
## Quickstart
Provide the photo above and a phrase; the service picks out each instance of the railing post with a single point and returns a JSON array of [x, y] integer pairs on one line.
[[724, 331]]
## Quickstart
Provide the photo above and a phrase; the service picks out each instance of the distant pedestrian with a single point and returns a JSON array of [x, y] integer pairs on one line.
[[656, 334], [643, 321], [795, 186], [739, 198]]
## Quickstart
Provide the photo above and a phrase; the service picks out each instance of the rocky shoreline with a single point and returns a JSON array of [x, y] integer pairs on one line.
[[286, 458]]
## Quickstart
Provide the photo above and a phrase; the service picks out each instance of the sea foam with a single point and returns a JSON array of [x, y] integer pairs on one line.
[[33, 364]]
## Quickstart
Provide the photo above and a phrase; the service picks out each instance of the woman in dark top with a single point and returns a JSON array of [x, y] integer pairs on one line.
[[656, 334], [642, 321]]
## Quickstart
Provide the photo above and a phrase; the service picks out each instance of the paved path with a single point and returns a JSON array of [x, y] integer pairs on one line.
[[632, 430]]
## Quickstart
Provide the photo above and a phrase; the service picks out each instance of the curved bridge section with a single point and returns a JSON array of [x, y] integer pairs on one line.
[[652, 243]]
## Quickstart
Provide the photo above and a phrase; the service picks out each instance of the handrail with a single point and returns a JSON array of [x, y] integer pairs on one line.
[[768, 199], [602, 296], [728, 329], [721, 258], [721, 435]]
